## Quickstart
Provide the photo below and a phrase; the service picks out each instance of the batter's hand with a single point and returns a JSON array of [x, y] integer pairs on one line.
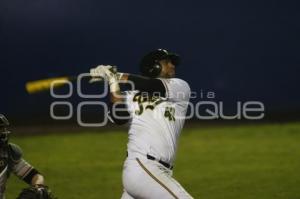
[[98, 71], [102, 72], [111, 75]]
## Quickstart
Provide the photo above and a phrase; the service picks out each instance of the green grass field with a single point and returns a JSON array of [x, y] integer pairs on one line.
[[235, 162]]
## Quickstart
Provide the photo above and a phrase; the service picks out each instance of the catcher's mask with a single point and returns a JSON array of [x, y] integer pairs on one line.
[[3, 130], [150, 66]]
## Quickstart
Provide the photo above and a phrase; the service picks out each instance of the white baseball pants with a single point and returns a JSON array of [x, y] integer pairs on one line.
[[148, 179]]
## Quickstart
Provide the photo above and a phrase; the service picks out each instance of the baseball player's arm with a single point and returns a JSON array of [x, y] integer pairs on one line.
[[141, 83], [37, 179], [174, 89], [145, 84], [117, 106], [23, 169]]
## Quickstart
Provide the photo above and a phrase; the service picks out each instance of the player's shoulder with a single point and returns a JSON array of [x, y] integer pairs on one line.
[[177, 89], [180, 81], [176, 82], [15, 152]]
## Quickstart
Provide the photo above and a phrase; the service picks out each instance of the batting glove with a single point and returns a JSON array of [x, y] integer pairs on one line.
[[112, 76], [100, 72]]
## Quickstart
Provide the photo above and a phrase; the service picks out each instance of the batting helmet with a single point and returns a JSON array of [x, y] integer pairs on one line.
[[3, 131], [150, 66]]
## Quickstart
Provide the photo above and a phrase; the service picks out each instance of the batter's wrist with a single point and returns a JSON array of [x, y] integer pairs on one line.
[[122, 76], [114, 85]]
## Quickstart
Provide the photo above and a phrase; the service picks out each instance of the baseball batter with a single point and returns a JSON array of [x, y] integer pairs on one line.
[[156, 111], [11, 161]]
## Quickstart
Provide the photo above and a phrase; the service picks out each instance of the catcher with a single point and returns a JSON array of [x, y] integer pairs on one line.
[[11, 161]]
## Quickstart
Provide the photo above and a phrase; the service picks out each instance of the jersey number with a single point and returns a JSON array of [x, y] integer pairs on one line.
[[146, 102], [169, 113]]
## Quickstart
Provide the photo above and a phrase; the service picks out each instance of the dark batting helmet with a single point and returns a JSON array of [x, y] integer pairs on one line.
[[3, 131], [150, 66]]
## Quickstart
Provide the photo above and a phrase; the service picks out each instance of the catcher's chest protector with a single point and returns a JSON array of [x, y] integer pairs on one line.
[[3, 171]]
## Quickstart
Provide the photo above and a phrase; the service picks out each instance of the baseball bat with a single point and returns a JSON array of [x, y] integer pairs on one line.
[[41, 85]]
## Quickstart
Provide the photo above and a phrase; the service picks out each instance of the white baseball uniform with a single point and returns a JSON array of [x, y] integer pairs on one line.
[[155, 126]]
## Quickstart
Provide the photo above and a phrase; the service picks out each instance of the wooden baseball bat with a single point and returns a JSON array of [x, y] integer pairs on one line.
[[41, 85]]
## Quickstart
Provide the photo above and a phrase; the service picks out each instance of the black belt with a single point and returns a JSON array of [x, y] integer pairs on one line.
[[150, 157], [160, 161]]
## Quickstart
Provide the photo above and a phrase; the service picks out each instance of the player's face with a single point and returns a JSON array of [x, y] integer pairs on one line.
[[168, 68]]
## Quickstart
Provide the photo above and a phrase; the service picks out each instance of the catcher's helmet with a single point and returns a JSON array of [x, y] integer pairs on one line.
[[150, 66], [3, 131]]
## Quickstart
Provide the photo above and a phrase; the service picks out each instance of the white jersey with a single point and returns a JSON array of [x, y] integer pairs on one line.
[[156, 122]]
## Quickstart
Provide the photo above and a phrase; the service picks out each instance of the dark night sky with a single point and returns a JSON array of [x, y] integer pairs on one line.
[[241, 50]]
